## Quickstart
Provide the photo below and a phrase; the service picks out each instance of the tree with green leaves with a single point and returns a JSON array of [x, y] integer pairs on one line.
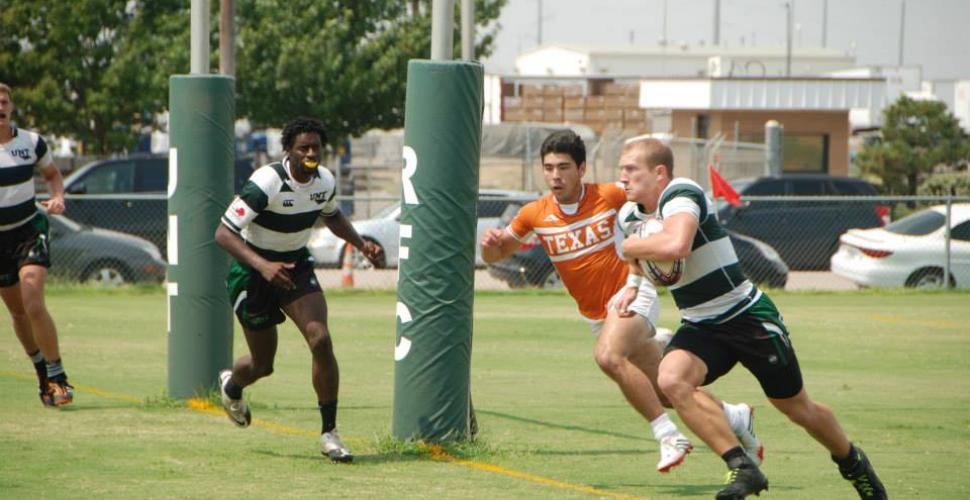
[[917, 136], [98, 70], [342, 61], [95, 70]]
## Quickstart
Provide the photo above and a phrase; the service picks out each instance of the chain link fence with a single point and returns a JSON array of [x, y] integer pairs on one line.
[[817, 242], [119, 238], [846, 239]]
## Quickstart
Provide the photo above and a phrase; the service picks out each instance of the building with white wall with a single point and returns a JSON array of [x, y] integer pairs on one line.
[[683, 60]]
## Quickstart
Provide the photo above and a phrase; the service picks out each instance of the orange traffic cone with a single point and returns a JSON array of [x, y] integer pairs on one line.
[[347, 274]]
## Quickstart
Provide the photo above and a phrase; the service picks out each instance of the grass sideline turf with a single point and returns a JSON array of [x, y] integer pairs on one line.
[[892, 364]]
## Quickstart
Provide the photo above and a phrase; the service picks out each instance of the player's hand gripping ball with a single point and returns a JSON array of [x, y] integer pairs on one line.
[[659, 273]]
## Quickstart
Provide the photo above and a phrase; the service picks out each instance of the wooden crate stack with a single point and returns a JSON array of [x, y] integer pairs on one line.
[[617, 108]]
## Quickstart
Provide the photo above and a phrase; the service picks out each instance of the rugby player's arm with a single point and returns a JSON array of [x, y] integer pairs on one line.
[[273, 272], [498, 244], [635, 268], [343, 229], [672, 243], [55, 186], [237, 247]]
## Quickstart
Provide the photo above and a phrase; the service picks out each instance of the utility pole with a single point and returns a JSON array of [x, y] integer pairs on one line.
[[665, 39], [227, 37], [825, 22], [468, 30], [442, 24], [902, 29], [199, 40], [539, 22], [788, 13], [717, 22]]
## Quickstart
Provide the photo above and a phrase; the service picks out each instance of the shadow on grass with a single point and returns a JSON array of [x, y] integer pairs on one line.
[[369, 459], [709, 489], [313, 408], [574, 452], [553, 425], [86, 405]]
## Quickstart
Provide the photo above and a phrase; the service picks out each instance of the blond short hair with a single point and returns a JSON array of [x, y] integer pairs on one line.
[[655, 152], [5, 89]]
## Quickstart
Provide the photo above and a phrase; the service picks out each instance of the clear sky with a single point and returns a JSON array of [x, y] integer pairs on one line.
[[936, 34]]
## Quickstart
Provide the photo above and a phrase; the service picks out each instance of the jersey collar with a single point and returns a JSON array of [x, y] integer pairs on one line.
[[574, 207]]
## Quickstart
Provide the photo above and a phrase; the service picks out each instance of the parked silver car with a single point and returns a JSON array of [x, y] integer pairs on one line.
[[101, 256], [385, 227]]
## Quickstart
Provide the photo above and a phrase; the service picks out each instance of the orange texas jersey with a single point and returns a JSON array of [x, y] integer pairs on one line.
[[582, 246]]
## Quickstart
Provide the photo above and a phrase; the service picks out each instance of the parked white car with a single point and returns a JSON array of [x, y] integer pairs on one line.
[[385, 227], [909, 252]]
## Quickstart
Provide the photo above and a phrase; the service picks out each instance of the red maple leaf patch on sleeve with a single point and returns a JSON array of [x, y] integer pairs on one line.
[[240, 211]]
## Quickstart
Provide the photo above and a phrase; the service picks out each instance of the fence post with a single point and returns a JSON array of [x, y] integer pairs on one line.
[[946, 243], [775, 152]]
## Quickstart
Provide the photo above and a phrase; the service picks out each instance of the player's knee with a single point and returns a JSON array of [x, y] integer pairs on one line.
[[320, 343], [673, 387], [608, 360], [34, 308]]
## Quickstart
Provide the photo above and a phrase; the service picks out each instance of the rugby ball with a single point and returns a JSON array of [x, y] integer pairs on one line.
[[659, 273]]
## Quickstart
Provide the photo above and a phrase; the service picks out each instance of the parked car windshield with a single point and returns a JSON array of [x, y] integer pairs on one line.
[[918, 224]]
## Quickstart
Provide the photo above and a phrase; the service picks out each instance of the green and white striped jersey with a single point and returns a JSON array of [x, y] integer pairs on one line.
[[19, 158], [275, 214], [713, 288]]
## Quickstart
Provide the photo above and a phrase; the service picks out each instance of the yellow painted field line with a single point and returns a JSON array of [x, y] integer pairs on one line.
[[205, 406], [437, 452], [897, 319], [86, 388]]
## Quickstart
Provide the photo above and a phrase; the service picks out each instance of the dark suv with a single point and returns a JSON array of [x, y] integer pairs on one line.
[[129, 194], [805, 233]]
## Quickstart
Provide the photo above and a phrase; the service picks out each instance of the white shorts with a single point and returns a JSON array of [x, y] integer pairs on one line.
[[646, 305]]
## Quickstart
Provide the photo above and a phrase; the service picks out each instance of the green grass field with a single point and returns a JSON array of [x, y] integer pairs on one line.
[[894, 366]]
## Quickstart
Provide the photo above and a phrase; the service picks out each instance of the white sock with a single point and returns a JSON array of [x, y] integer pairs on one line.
[[734, 414], [663, 426]]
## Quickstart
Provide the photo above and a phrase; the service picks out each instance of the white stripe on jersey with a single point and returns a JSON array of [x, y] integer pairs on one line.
[[16, 194], [720, 304], [273, 240], [21, 152], [267, 179], [575, 225], [706, 259], [682, 206], [580, 253]]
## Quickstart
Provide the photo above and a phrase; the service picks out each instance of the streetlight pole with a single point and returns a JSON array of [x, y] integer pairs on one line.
[[717, 22], [825, 22], [539, 22], [902, 29], [442, 23], [788, 9], [468, 30], [199, 39]]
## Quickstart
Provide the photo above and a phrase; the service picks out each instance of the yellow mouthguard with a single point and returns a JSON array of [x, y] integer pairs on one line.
[[310, 164]]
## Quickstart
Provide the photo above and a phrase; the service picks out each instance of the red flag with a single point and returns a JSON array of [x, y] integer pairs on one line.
[[721, 189]]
